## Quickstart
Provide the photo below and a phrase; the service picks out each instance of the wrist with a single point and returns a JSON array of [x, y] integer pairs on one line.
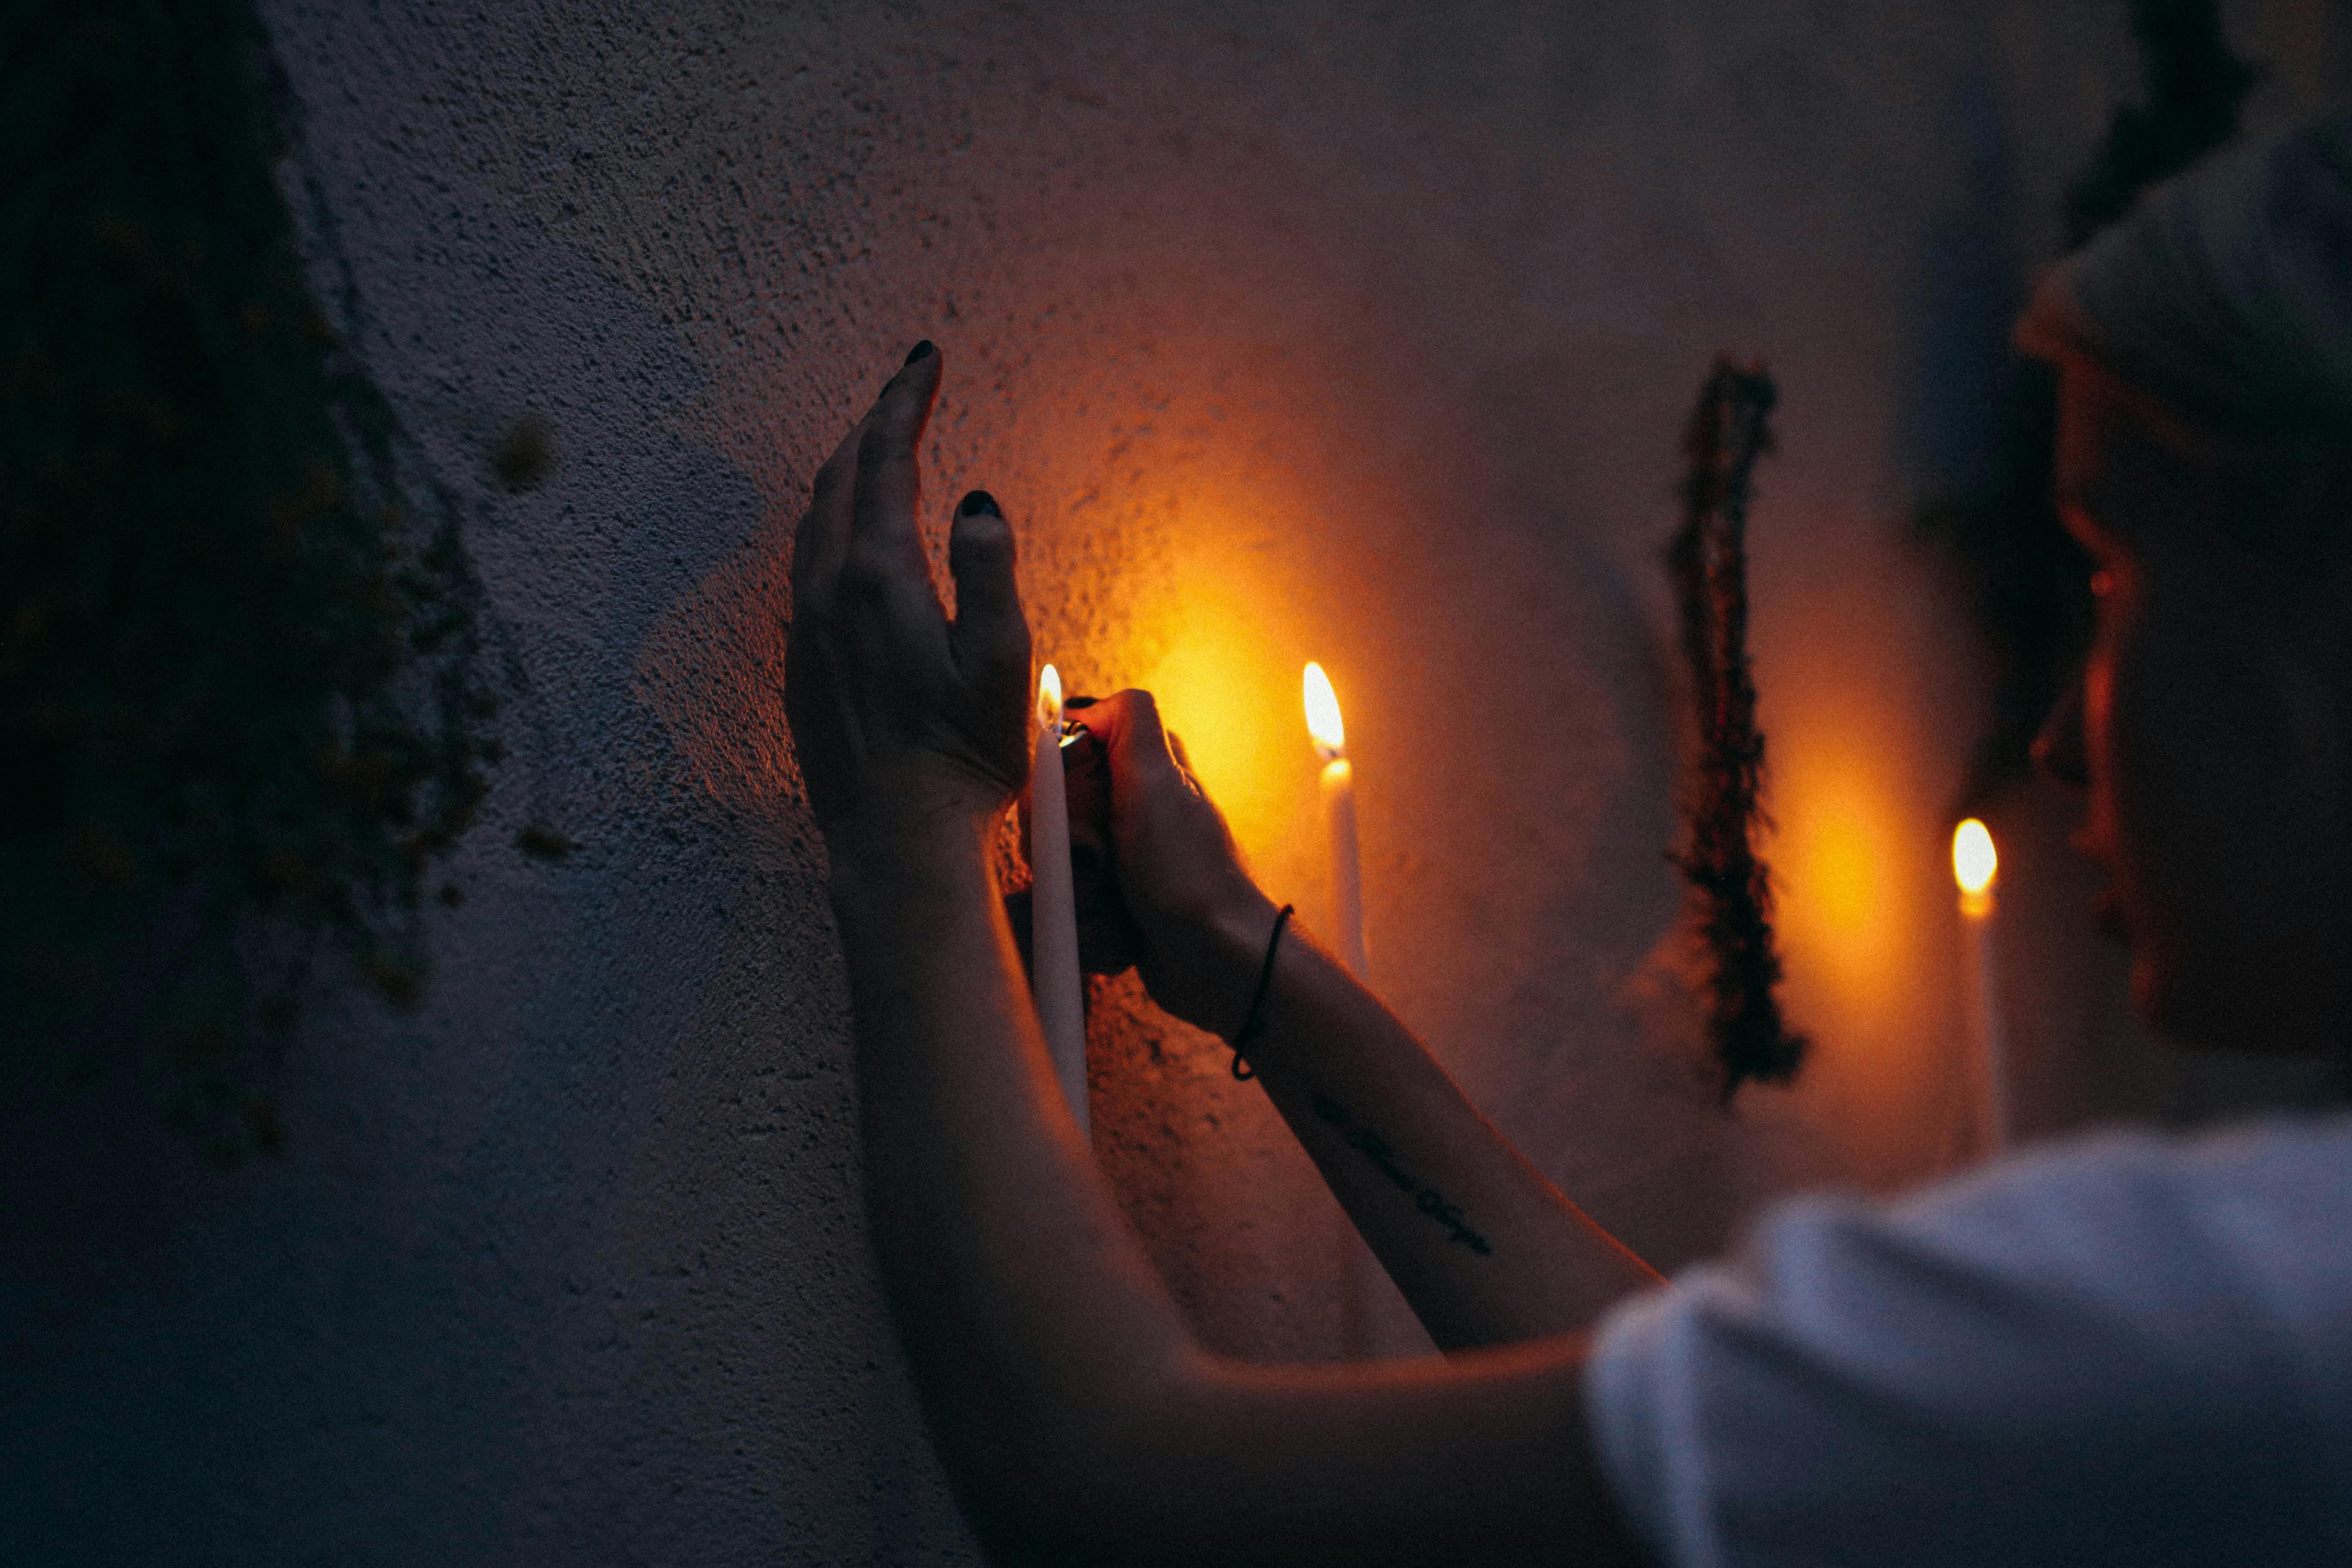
[[1222, 951], [906, 834], [1234, 936]]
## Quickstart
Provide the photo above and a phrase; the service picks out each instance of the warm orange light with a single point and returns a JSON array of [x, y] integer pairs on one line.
[[1974, 860], [1049, 700], [1323, 714]]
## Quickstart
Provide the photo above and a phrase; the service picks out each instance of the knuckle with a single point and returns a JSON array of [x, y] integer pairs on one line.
[[866, 572], [1008, 647], [994, 642]]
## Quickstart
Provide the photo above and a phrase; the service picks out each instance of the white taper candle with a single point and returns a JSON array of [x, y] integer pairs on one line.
[[1323, 722], [1974, 865], [1053, 904], [1373, 1319]]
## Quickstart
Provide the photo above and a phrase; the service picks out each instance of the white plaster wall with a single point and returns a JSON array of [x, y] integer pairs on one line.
[[1284, 330]]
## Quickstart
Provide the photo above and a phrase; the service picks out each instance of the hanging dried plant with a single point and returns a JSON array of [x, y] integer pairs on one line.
[[239, 712], [1729, 431]]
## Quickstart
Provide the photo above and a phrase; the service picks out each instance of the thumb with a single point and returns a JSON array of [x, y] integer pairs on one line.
[[1183, 759], [990, 640], [1129, 724]]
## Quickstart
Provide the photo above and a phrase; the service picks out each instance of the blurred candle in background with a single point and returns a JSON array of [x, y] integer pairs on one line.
[[1370, 1309], [1052, 903], [1340, 817], [1974, 865]]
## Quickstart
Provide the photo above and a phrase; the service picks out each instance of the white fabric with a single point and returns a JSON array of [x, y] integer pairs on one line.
[[2226, 292], [2128, 1351]]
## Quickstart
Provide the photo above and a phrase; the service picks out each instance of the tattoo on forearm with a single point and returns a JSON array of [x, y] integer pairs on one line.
[[1375, 1148]]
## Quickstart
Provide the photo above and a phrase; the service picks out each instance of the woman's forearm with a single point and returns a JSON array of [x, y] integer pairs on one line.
[[1036, 1325], [1483, 1247], [1076, 1416]]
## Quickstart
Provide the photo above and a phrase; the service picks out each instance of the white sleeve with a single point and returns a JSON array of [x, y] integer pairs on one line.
[[2060, 1361]]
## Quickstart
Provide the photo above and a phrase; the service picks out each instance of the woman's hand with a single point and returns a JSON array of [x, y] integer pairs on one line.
[[1204, 923], [895, 711]]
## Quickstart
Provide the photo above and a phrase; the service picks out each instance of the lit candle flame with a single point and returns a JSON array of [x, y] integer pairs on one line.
[[1049, 700], [1974, 860], [1323, 715]]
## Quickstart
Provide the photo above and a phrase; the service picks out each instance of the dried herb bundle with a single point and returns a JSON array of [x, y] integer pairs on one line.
[[1729, 431], [237, 707]]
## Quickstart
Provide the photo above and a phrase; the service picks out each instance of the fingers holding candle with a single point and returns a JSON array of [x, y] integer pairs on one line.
[[1108, 942], [1195, 911], [1108, 939]]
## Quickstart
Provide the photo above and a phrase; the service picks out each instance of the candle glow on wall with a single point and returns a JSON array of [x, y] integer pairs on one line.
[[1854, 889], [1226, 639], [1860, 852]]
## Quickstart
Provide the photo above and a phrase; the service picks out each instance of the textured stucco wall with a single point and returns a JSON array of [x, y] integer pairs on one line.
[[1284, 330]]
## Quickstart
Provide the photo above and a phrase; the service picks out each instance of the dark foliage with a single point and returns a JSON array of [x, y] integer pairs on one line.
[[2027, 582], [1729, 430], [2195, 85], [236, 709]]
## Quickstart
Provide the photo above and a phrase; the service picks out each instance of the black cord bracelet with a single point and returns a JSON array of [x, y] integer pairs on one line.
[[1256, 1018]]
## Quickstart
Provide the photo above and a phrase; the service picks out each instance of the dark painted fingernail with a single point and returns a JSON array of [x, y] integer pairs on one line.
[[1071, 704], [978, 501], [920, 351]]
